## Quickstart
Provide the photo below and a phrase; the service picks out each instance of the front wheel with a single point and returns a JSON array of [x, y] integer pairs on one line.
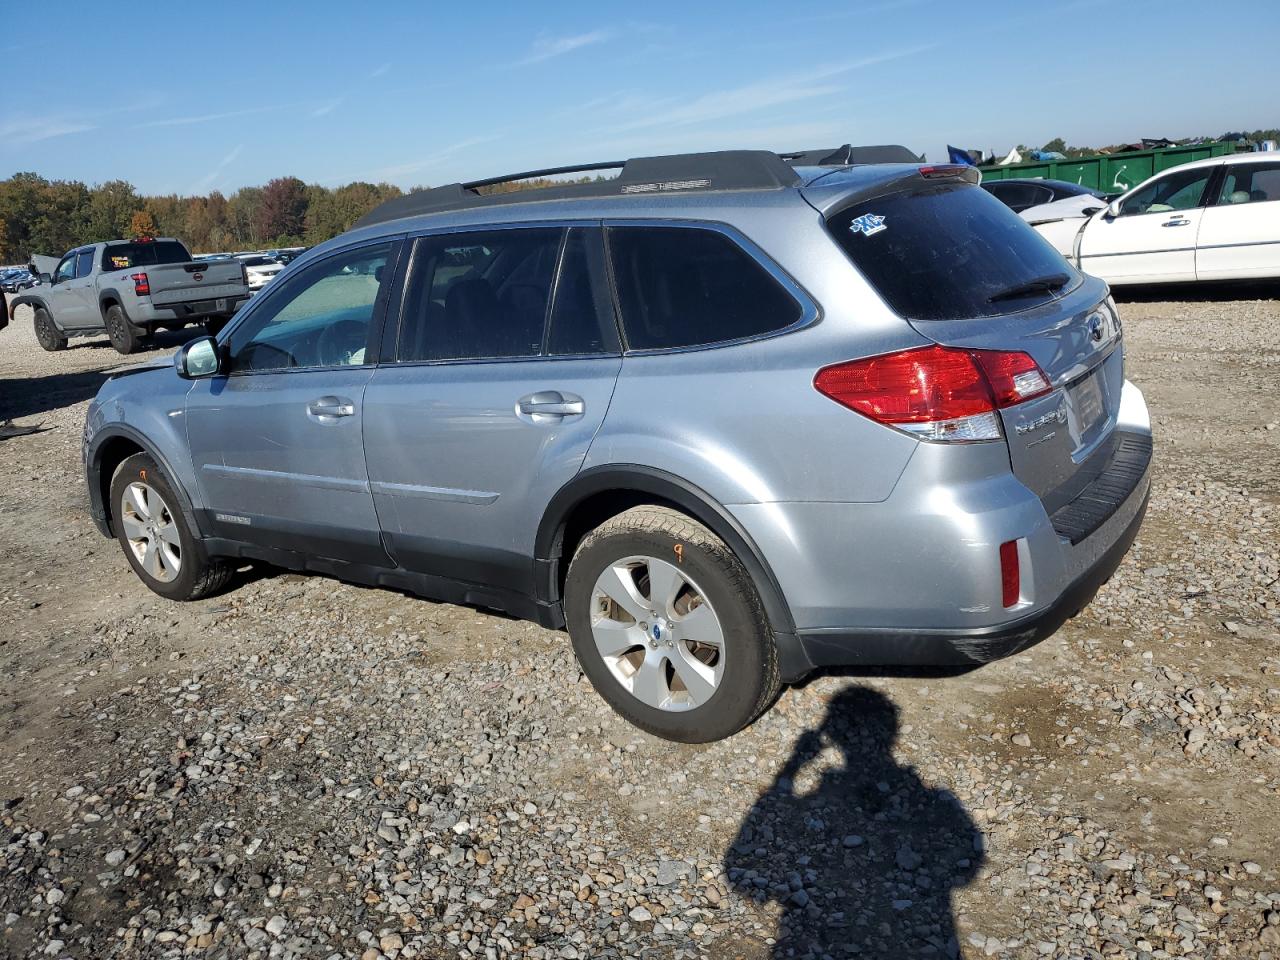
[[156, 536], [667, 625], [124, 335], [50, 337]]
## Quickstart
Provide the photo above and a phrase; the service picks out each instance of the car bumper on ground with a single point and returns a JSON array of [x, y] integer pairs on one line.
[[916, 579]]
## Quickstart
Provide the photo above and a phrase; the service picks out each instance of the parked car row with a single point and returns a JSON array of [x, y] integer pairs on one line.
[[1209, 220], [15, 279]]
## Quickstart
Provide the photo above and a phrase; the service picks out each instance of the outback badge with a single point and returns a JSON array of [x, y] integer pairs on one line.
[[868, 224]]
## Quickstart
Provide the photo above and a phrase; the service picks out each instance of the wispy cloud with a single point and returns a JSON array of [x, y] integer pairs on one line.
[[205, 183], [545, 47], [327, 108], [34, 129], [381, 71], [431, 159], [207, 117], [749, 98]]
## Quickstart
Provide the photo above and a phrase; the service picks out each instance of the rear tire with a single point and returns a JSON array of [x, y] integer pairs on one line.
[[49, 336], [124, 335], [703, 664], [157, 537]]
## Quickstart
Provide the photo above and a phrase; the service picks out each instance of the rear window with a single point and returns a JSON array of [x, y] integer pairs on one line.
[[687, 287], [949, 253], [122, 256]]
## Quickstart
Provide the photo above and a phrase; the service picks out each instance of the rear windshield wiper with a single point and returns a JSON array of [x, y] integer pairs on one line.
[[1047, 284]]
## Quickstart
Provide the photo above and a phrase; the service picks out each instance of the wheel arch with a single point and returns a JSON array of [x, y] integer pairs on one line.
[[30, 301], [599, 493], [111, 447]]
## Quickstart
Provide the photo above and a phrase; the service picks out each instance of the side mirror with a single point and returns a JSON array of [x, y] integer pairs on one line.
[[1113, 208], [198, 359], [46, 280], [1090, 211]]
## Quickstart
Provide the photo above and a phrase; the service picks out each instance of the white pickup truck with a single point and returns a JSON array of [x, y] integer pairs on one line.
[[129, 289]]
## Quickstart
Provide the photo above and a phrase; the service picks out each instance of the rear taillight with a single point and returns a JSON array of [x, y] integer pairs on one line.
[[141, 285], [935, 393], [244, 274], [1010, 575]]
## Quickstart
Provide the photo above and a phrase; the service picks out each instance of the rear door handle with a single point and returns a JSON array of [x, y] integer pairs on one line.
[[1176, 223], [546, 405], [328, 409]]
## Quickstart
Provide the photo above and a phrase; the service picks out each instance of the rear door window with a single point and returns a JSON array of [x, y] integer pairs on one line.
[[1250, 183], [947, 252], [688, 287], [84, 263], [582, 321], [479, 295]]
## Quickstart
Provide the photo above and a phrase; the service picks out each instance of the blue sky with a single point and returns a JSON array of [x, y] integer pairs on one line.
[[222, 95]]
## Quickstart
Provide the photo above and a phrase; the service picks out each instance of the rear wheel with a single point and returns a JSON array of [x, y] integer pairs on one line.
[[156, 537], [668, 626], [124, 335], [49, 336]]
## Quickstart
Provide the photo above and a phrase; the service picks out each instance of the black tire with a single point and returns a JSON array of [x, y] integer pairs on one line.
[[49, 336], [124, 335], [750, 680], [198, 574]]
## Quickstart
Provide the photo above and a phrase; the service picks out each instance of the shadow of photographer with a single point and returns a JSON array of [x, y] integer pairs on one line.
[[865, 862]]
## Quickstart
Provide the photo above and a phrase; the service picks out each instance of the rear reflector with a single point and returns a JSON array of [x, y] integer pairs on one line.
[[935, 393], [1010, 576], [141, 284]]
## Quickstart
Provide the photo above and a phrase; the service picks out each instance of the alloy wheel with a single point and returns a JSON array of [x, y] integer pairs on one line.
[[152, 531], [657, 633]]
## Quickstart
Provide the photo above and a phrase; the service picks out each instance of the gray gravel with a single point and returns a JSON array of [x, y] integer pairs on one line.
[[303, 768]]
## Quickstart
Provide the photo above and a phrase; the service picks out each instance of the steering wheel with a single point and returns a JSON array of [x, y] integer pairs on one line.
[[339, 343]]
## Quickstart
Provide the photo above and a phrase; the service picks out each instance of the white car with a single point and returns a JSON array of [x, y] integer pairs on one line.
[[259, 270], [1216, 219]]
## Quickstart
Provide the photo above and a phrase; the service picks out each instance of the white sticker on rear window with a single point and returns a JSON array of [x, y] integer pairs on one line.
[[868, 224]]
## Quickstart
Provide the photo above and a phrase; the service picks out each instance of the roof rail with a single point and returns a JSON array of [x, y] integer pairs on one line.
[[677, 173], [848, 155]]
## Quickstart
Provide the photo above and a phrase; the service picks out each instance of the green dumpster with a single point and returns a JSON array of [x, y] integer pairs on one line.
[[1109, 172]]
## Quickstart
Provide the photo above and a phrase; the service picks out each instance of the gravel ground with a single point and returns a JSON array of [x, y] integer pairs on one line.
[[302, 768]]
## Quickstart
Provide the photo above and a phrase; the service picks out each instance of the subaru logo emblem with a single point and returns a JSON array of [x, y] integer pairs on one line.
[[656, 629]]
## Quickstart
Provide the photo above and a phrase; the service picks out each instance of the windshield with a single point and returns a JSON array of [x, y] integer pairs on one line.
[[948, 252], [122, 256]]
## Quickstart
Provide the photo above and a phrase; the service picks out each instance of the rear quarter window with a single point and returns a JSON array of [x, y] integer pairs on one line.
[[689, 287], [943, 252]]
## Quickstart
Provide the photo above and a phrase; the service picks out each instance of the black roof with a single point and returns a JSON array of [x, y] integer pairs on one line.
[[677, 173]]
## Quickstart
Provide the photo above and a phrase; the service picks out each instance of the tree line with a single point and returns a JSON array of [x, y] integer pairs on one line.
[[52, 216]]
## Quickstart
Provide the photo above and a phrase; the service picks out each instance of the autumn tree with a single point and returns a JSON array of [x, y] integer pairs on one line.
[[141, 224], [282, 212]]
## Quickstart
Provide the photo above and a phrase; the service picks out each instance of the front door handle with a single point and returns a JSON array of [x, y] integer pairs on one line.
[[547, 405], [329, 409], [1176, 223]]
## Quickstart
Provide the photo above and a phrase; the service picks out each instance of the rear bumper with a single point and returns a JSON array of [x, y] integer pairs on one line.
[[191, 310], [916, 579], [827, 647]]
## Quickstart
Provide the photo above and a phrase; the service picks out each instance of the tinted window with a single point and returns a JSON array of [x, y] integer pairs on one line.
[[582, 311], [943, 252], [258, 261], [479, 295], [1250, 183], [1180, 190], [318, 318], [1020, 196], [684, 287], [122, 256], [84, 263]]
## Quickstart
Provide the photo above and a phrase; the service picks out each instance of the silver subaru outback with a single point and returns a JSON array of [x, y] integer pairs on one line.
[[725, 417]]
